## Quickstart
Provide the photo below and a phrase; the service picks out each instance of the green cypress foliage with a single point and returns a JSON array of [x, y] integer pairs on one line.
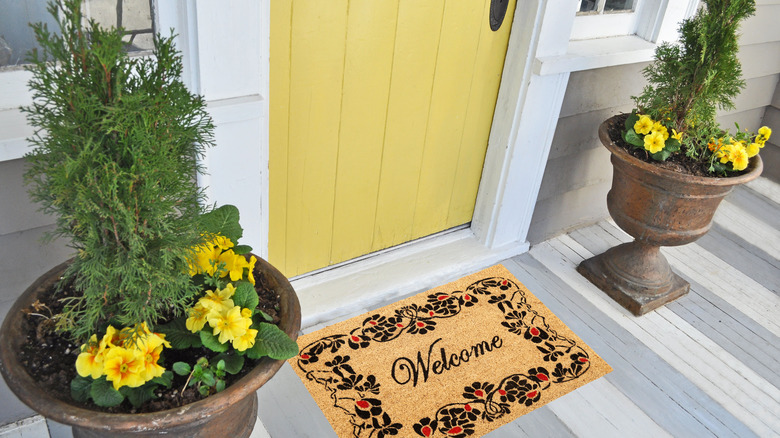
[[115, 157]]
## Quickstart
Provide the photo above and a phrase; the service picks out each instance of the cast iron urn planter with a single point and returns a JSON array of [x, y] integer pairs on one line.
[[229, 413], [657, 207]]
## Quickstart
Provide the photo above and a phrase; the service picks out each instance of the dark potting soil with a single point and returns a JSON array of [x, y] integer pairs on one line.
[[50, 358], [679, 163]]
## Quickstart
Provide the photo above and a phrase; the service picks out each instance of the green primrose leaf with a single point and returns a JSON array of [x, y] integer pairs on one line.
[[166, 379], [631, 120], [220, 385], [182, 368], [104, 394], [245, 295], [672, 145], [212, 342], [178, 335], [223, 220], [633, 138], [233, 362], [242, 249], [272, 342], [203, 390], [661, 155], [79, 388], [138, 396]]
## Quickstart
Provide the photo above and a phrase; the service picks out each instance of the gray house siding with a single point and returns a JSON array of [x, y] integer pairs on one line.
[[578, 173]]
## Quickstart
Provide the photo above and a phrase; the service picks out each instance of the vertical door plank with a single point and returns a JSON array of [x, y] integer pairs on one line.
[[367, 69], [454, 66], [479, 117], [279, 112], [414, 63], [317, 71]]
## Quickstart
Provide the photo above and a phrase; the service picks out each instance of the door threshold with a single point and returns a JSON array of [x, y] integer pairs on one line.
[[386, 276]]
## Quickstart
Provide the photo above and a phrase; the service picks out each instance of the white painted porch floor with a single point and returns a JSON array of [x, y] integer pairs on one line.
[[705, 365]]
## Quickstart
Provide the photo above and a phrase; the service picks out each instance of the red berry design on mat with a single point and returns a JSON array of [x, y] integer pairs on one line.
[[427, 431], [362, 404], [479, 393], [355, 338], [501, 392], [431, 313], [467, 407], [543, 377], [442, 297], [531, 394], [420, 324], [455, 430], [305, 356]]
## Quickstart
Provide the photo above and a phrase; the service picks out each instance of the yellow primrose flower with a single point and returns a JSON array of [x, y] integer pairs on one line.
[[251, 266], [723, 153], [658, 127], [230, 325], [114, 338], [222, 242], [199, 316], [246, 313], [90, 360], [677, 135], [654, 142], [234, 264], [764, 133], [204, 257], [738, 157], [643, 125], [219, 301], [149, 350], [247, 340], [753, 149], [123, 367]]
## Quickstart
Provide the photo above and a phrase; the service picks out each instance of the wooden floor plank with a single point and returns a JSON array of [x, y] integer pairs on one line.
[[749, 227], [557, 253], [767, 188], [661, 391], [747, 258], [609, 411]]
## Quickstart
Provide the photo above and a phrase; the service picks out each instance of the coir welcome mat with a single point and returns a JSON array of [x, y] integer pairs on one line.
[[459, 360]]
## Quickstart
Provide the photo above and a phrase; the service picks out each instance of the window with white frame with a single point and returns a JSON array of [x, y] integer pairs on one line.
[[17, 38], [606, 18], [605, 6]]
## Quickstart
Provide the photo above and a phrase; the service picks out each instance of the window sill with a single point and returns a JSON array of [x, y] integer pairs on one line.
[[596, 53]]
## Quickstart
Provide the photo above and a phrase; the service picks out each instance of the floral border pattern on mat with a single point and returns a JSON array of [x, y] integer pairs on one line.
[[326, 362]]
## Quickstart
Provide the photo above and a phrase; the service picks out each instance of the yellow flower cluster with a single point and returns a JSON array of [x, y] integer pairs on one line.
[[127, 357], [228, 321], [211, 255], [655, 133], [737, 152]]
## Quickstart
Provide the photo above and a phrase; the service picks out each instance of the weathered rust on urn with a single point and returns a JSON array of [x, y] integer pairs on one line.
[[231, 412], [657, 207]]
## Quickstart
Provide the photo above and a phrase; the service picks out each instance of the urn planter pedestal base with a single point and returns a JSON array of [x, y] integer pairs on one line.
[[635, 275]]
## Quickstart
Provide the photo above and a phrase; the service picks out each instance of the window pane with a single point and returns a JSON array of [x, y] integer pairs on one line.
[[618, 5], [17, 38], [588, 5]]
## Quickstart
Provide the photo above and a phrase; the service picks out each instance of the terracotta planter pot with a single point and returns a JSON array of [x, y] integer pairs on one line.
[[230, 413], [657, 207]]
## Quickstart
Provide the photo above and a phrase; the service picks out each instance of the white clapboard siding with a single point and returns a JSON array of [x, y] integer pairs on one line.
[[731, 390]]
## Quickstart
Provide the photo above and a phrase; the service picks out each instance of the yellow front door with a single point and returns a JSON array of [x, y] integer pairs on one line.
[[379, 119]]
